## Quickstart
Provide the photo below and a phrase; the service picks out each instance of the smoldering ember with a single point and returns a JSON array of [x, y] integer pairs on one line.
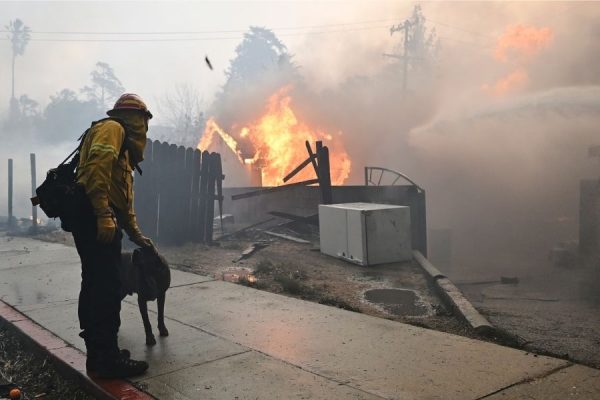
[[299, 200]]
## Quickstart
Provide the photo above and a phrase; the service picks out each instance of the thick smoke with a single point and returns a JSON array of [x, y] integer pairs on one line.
[[18, 146], [505, 176], [501, 170], [501, 167]]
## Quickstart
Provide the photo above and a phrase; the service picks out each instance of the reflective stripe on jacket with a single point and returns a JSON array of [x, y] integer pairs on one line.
[[105, 173]]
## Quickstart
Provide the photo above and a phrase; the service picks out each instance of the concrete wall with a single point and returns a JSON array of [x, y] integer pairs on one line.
[[304, 201]]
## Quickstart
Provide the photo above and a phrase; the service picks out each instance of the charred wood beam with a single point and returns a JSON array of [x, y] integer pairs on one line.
[[273, 189], [313, 157], [300, 167], [244, 229], [324, 173], [310, 220]]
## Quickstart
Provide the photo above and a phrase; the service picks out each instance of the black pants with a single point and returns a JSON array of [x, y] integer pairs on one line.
[[99, 298]]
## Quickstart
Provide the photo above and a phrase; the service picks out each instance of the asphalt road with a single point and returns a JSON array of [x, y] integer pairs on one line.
[[555, 311]]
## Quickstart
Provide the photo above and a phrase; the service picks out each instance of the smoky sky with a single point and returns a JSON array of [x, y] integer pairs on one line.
[[501, 171]]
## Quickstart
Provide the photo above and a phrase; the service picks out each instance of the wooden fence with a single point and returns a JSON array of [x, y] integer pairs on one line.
[[175, 196]]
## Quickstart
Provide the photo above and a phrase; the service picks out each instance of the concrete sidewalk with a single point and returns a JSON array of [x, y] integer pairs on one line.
[[233, 342]]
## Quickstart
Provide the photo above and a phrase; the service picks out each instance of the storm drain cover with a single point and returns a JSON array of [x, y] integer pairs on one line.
[[397, 301]]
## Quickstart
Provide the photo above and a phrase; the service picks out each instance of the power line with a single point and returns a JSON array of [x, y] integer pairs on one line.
[[461, 29], [231, 31], [194, 39], [134, 40], [203, 31], [474, 44], [237, 37]]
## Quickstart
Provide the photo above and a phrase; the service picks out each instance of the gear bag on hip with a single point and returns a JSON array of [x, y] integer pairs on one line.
[[60, 196]]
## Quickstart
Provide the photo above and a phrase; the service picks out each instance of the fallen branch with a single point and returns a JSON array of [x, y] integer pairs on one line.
[[273, 189], [253, 248]]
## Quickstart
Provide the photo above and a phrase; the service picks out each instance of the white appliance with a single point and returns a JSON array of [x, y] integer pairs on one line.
[[365, 233]]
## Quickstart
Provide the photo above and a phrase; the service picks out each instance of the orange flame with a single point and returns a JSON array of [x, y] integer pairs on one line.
[[209, 132], [520, 43], [516, 80], [278, 140], [518, 46]]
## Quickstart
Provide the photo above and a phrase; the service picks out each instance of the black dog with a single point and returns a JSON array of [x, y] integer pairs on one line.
[[146, 273]]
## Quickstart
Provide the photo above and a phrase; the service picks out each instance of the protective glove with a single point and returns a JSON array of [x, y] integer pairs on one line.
[[134, 232], [106, 228], [141, 240]]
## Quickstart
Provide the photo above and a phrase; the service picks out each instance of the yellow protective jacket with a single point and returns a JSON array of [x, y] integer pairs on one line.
[[106, 174]]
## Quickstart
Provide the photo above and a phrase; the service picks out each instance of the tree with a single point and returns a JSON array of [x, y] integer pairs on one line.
[[28, 107], [106, 87], [25, 114], [18, 34], [182, 112], [259, 54], [262, 65], [67, 116]]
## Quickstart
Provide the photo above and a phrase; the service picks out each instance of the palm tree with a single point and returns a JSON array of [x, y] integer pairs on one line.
[[18, 33]]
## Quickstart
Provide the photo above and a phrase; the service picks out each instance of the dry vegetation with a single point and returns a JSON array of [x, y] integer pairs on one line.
[[35, 375]]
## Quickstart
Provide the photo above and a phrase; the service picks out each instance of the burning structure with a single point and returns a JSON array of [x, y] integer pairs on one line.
[[268, 147], [269, 152]]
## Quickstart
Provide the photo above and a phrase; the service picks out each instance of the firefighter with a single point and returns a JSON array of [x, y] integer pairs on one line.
[[110, 151]]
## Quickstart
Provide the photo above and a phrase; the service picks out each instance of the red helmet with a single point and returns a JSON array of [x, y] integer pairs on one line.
[[130, 101]]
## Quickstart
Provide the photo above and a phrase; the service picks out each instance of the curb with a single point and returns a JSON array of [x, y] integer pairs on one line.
[[69, 361], [453, 297]]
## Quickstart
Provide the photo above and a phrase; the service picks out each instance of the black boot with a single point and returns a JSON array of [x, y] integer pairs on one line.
[[119, 367], [92, 360]]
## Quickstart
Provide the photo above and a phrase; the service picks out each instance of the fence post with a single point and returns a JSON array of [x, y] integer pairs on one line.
[[204, 176], [10, 191], [213, 161], [188, 193], [33, 186], [154, 195], [324, 173], [165, 186], [181, 192], [195, 212]]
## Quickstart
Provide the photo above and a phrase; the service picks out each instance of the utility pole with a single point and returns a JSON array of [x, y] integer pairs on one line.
[[404, 27], [10, 192], [33, 186], [405, 73]]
